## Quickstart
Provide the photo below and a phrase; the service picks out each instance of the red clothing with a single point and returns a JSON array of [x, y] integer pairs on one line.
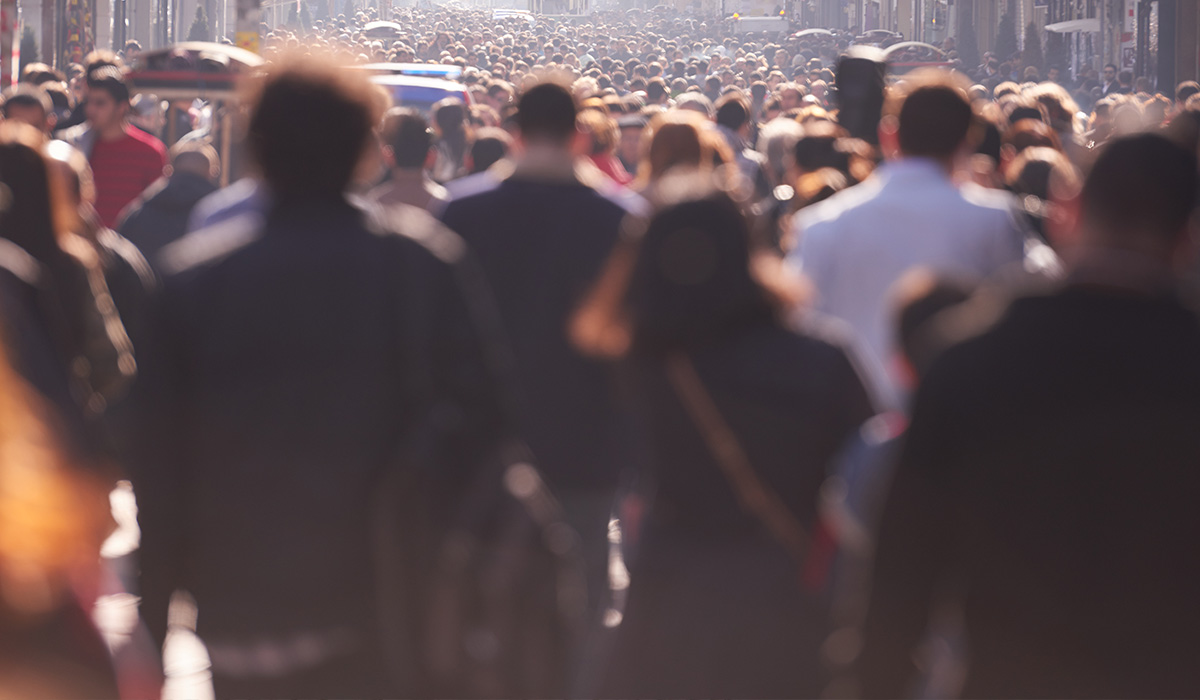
[[123, 168], [610, 166]]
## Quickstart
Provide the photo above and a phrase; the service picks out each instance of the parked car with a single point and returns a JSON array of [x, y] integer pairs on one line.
[[420, 92], [424, 70]]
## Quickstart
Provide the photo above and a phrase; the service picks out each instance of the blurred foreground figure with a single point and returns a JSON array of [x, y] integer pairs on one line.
[[745, 412], [311, 368], [1048, 484], [53, 484]]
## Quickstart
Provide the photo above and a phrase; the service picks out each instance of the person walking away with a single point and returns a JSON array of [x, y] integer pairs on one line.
[[541, 235], [745, 411], [408, 152], [159, 216], [1047, 485], [857, 244], [302, 361]]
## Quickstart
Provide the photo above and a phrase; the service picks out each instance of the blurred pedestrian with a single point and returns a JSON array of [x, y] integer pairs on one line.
[[159, 216], [1046, 486], [716, 602]]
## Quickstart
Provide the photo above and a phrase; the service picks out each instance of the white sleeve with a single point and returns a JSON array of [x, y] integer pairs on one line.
[[813, 257]]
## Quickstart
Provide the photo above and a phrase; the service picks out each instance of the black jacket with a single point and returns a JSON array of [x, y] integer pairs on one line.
[[296, 364], [159, 216], [541, 242], [716, 606], [1049, 481]]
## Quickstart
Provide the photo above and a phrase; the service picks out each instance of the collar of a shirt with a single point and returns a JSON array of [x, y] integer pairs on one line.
[[913, 167]]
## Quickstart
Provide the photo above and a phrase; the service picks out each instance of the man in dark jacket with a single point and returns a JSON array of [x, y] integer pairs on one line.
[[301, 360], [542, 234], [159, 216], [1048, 484]]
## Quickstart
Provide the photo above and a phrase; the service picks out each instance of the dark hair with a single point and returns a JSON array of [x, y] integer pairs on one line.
[[546, 112], [195, 157], [40, 74], [491, 145], [935, 117], [1185, 90], [309, 125], [732, 111], [921, 296], [408, 135], [1141, 186], [25, 95], [28, 217], [60, 99], [110, 79], [656, 88], [689, 278], [1031, 133], [817, 149]]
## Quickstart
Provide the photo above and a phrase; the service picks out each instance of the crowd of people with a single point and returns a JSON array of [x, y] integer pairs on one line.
[[673, 363]]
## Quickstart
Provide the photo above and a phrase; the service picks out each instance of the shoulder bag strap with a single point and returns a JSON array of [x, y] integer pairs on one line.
[[754, 495]]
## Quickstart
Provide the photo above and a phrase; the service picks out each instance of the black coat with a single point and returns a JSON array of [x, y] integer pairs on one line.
[[716, 606], [1049, 481], [159, 216], [295, 365], [541, 243]]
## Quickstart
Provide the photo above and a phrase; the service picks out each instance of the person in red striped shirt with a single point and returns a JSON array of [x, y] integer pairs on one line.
[[124, 159]]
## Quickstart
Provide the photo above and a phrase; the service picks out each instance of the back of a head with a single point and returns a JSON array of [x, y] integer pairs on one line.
[[656, 89], [917, 299], [600, 129], [934, 115], [310, 122], [490, 147], [196, 158], [1141, 192], [777, 141], [450, 115], [733, 112], [546, 112], [676, 141], [38, 74], [697, 102], [407, 133], [28, 217], [1185, 90], [1031, 133], [817, 148], [692, 278], [99, 58], [1044, 173]]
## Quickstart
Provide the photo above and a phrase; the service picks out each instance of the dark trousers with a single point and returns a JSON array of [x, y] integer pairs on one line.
[[358, 677]]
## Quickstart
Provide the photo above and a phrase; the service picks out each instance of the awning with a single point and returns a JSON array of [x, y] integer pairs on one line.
[[1075, 25]]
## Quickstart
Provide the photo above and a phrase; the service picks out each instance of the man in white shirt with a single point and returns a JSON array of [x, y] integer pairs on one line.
[[857, 244]]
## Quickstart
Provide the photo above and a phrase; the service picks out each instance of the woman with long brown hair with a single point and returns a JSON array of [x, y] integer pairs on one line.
[[743, 411]]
